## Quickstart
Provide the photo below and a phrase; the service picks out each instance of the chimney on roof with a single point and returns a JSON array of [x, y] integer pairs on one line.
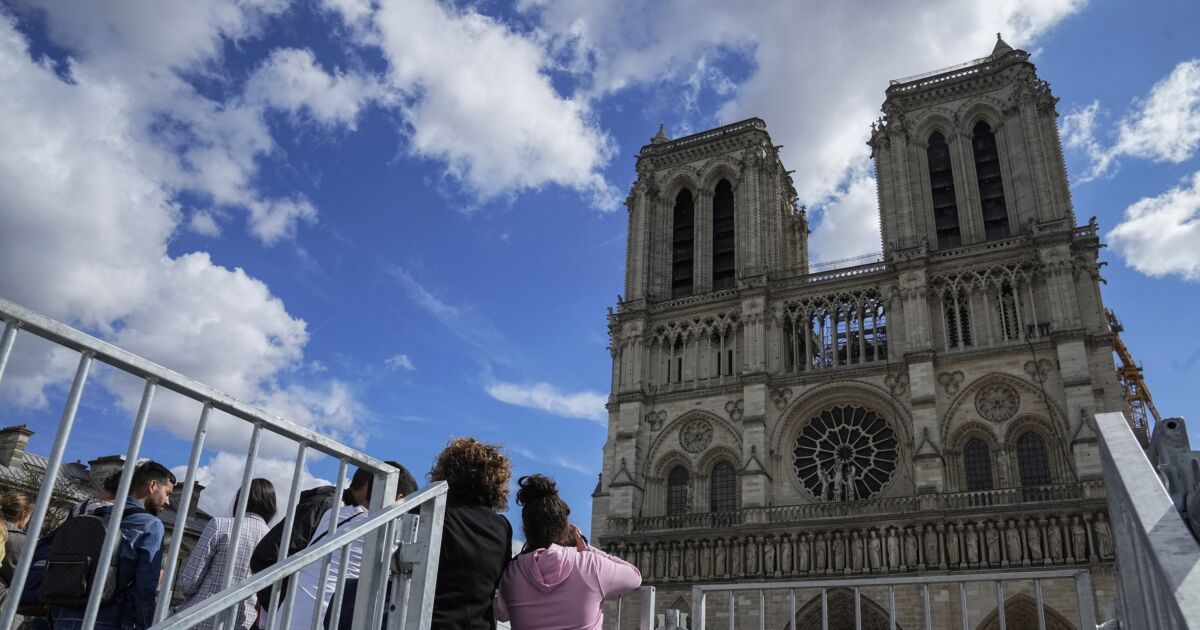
[[101, 468], [13, 443], [177, 496]]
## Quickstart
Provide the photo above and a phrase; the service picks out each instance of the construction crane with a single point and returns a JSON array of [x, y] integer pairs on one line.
[[1134, 388]]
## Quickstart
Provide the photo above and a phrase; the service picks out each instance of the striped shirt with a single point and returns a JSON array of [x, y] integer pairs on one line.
[[205, 569]]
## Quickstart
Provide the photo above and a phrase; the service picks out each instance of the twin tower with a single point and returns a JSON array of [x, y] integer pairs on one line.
[[768, 421]]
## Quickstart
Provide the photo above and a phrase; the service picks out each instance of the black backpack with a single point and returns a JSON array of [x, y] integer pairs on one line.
[[71, 567]]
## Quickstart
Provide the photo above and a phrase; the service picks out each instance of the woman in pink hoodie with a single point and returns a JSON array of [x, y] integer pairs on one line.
[[558, 582]]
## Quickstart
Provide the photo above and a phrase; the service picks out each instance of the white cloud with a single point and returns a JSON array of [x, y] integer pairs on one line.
[[818, 69], [477, 98], [291, 80], [222, 477], [275, 220], [204, 224], [1161, 235], [87, 201], [588, 405], [401, 362], [849, 222], [553, 460], [1163, 127]]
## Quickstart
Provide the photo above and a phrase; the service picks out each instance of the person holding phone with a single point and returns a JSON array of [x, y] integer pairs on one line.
[[558, 581]]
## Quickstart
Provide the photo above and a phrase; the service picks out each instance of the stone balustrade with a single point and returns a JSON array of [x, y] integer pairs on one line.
[[979, 500]]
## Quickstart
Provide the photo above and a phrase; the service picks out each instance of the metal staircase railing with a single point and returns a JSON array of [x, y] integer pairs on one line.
[[400, 551]]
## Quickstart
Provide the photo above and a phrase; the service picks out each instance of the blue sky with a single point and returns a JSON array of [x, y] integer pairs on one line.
[[399, 222]]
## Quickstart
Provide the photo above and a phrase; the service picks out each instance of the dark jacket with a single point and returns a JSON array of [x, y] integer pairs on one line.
[[476, 548], [12, 553], [312, 504]]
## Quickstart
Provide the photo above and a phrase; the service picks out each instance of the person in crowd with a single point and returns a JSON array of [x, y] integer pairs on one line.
[[558, 581], [139, 554], [16, 509], [476, 538], [206, 567], [315, 591]]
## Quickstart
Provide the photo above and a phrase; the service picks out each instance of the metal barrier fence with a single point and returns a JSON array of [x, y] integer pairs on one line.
[[1158, 560], [1082, 582], [645, 597], [395, 545]]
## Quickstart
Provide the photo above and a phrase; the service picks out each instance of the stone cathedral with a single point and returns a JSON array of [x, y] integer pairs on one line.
[[926, 413]]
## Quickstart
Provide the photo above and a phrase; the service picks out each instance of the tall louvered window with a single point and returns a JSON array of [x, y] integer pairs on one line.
[[677, 491], [991, 188], [723, 245], [723, 491], [941, 185], [1032, 461], [683, 245], [977, 463]]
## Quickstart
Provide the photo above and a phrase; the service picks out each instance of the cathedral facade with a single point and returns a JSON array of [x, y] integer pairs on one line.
[[926, 413]]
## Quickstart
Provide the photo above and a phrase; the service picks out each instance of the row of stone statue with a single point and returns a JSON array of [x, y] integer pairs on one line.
[[1062, 539], [837, 483]]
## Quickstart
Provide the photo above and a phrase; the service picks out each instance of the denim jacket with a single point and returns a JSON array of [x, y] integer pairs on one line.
[[138, 566]]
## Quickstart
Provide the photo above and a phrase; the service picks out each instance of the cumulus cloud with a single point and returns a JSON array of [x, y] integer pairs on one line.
[[291, 80], [1160, 235], [476, 96], [849, 222], [819, 69], [1163, 127], [89, 176], [204, 224], [401, 362], [222, 477], [587, 405]]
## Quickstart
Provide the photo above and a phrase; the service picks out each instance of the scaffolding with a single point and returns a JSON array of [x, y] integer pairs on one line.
[[1133, 387]]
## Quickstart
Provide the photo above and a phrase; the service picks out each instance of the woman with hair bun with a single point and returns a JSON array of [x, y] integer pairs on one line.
[[559, 581]]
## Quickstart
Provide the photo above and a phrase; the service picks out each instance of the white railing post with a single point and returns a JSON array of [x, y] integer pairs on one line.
[[698, 608], [1157, 556], [647, 617]]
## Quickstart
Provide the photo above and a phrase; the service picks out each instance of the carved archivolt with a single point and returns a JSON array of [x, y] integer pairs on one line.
[[669, 440], [963, 409]]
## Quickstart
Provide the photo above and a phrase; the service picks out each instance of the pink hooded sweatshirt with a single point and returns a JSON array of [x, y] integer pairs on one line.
[[562, 588]]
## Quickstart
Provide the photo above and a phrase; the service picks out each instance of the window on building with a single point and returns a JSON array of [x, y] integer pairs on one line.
[[941, 185], [683, 245], [677, 491], [977, 463], [958, 318], [1032, 461], [723, 491], [1010, 323], [991, 188], [723, 243]]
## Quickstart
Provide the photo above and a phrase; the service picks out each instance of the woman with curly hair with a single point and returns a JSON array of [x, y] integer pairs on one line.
[[559, 581], [476, 539]]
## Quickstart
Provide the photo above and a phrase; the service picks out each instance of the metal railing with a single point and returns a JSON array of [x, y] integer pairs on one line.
[[405, 549], [1081, 578], [645, 600], [1158, 560]]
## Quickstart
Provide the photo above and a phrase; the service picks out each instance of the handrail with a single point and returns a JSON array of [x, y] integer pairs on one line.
[[1158, 560], [1081, 577], [372, 597], [33, 322], [291, 566]]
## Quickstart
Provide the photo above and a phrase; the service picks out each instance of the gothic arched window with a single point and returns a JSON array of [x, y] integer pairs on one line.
[[977, 464], [677, 491], [941, 185], [682, 244], [991, 188], [723, 243], [958, 318], [723, 491], [1032, 461]]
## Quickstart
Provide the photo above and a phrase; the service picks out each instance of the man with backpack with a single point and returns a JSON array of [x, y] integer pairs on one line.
[[131, 588]]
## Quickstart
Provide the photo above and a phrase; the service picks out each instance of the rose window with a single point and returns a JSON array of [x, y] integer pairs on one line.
[[846, 453]]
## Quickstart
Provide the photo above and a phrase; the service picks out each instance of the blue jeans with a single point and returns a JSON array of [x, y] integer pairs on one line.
[[77, 624]]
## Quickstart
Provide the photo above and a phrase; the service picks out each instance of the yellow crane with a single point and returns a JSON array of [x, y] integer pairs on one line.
[[1134, 388]]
